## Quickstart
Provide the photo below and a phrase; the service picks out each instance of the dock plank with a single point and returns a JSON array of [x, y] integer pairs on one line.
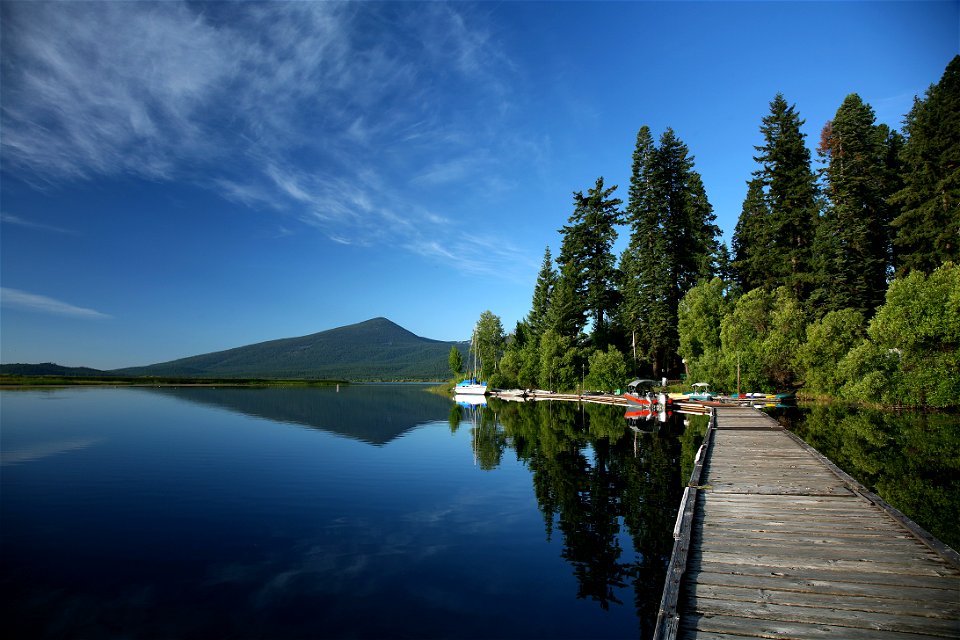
[[781, 544]]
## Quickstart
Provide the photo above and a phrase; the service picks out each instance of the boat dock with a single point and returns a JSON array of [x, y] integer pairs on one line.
[[691, 407], [772, 540]]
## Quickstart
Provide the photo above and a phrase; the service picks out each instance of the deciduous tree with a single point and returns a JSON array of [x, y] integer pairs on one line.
[[456, 361]]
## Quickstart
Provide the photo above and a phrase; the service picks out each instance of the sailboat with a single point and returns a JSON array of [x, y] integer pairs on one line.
[[471, 386]]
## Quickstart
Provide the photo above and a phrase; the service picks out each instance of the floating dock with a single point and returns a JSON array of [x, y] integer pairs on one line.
[[774, 541], [691, 407]]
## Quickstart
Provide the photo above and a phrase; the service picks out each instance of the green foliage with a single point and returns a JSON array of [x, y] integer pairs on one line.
[[928, 227], [586, 257], [871, 374], [488, 344], [912, 352], [828, 340], [560, 362], [751, 240], [742, 333], [790, 194], [787, 332], [762, 335], [455, 360], [607, 370], [672, 245], [567, 313], [853, 238], [537, 319], [700, 315]]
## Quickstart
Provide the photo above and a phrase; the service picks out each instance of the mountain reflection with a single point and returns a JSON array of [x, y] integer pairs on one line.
[[375, 414], [602, 485]]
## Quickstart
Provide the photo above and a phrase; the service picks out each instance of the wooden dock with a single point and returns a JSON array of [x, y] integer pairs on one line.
[[774, 541]]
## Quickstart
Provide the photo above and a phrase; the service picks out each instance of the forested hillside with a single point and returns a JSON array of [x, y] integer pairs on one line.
[[842, 278]]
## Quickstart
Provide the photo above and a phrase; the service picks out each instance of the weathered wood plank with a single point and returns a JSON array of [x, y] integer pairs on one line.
[[801, 562], [781, 629], [784, 525], [897, 606], [839, 586], [827, 552], [783, 544], [872, 620], [853, 540], [828, 575]]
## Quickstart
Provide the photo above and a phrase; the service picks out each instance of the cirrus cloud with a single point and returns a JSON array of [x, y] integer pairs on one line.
[[354, 118], [24, 301]]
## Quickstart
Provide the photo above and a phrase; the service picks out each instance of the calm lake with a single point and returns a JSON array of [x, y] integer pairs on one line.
[[372, 511], [375, 510]]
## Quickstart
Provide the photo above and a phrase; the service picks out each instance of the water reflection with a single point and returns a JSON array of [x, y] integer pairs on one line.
[[911, 460], [529, 520], [375, 414], [609, 490]]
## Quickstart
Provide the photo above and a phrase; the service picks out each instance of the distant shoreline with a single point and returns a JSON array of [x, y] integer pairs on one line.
[[14, 381]]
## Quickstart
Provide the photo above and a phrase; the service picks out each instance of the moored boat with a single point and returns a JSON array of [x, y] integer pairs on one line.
[[469, 387], [640, 393], [701, 391], [472, 386]]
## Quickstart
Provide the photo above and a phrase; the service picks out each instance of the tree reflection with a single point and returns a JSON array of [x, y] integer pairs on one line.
[[911, 460], [602, 485]]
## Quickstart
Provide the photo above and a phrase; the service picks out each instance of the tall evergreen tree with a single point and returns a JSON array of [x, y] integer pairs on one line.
[[646, 252], [854, 241], [673, 244], [751, 240], [791, 196], [700, 252], [928, 227], [542, 292], [567, 314], [586, 255]]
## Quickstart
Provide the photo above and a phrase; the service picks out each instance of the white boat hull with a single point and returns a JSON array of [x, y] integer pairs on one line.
[[470, 389]]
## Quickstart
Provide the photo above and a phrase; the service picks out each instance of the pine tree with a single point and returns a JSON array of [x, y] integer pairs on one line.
[[928, 227], [672, 245], [640, 260], [567, 315], [586, 255], [854, 240], [791, 196], [542, 292], [751, 240], [699, 251]]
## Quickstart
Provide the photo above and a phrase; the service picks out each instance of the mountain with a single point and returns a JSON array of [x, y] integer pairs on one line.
[[50, 369], [377, 349]]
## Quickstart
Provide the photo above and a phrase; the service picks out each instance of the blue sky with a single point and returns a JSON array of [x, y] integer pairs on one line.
[[179, 178]]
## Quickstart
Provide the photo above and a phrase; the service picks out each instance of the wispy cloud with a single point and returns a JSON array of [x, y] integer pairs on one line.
[[16, 299], [332, 113], [7, 218]]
